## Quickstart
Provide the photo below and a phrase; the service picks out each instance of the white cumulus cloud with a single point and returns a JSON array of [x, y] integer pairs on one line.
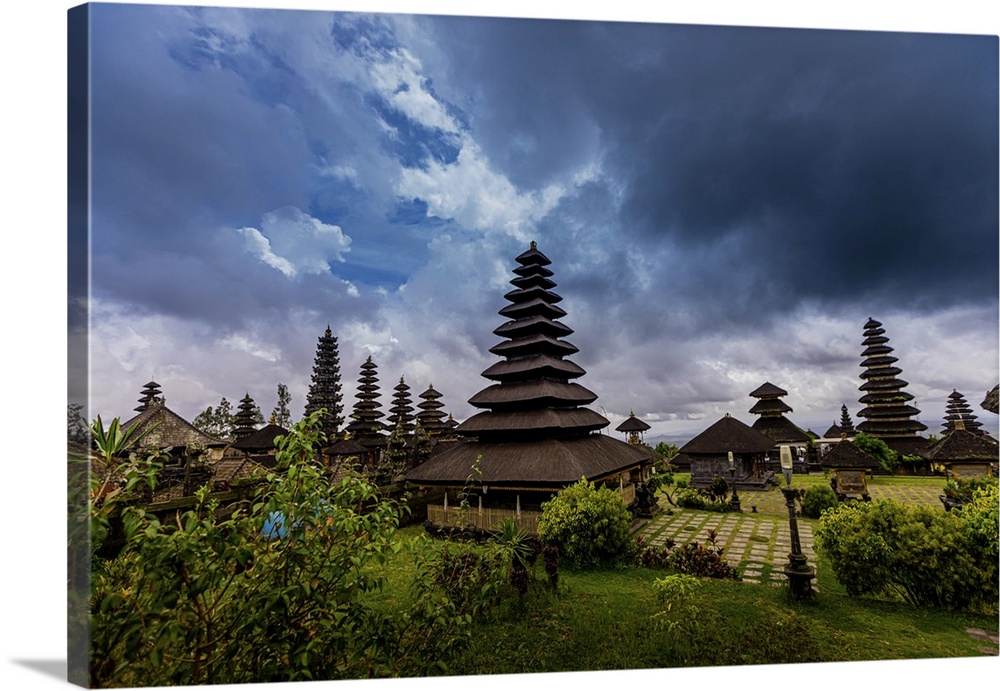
[[294, 242]]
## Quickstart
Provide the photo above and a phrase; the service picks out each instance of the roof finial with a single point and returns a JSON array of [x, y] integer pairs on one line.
[[533, 245]]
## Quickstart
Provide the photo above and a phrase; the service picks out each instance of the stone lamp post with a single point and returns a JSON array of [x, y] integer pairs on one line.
[[798, 572], [734, 502]]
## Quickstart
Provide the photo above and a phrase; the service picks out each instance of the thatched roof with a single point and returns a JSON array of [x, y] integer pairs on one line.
[[992, 400], [770, 406], [536, 392], [964, 445], [549, 463], [767, 389], [261, 439], [846, 455], [834, 432], [171, 430], [632, 424], [728, 434], [780, 429], [908, 446], [539, 420], [346, 447]]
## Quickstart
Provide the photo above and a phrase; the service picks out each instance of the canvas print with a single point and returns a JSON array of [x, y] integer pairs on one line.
[[418, 346]]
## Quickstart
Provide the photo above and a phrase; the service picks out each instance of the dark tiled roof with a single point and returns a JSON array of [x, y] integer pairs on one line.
[[728, 434]]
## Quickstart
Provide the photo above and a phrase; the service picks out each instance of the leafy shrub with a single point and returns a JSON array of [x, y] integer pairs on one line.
[[963, 489], [816, 499], [981, 512], [200, 600], [887, 458], [697, 560], [719, 489], [690, 498], [590, 526], [922, 555], [651, 556]]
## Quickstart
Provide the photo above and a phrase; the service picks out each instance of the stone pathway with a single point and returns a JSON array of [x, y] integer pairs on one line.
[[757, 546], [991, 638]]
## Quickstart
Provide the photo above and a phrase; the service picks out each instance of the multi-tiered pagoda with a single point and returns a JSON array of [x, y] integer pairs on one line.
[[533, 435], [150, 394], [365, 428], [887, 415], [324, 390], [401, 412], [958, 409], [245, 423], [772, 421], [431, 415]]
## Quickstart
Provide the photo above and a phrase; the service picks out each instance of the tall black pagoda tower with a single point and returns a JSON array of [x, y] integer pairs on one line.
[[533, 434], [887, 415], [401, 410], [324, 391]]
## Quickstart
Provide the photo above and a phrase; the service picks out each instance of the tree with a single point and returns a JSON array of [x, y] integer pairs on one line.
[[281, 415], [217, 421], [200, 600], [76, 428], [887, 458]]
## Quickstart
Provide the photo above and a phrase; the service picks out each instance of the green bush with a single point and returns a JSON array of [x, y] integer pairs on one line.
[[285, 589], [816, 499], [923, 555], [981, 511], [590, 526]]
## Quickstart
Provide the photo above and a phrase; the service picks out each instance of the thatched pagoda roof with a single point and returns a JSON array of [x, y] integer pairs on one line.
[[532, 431], [834, 432], [171, 430], [728, 434], [964, 445], [632, 424], [768, 390], [545, 463], [846, 455], [261, 439], [346, 447], [992, 400], [780, 429]]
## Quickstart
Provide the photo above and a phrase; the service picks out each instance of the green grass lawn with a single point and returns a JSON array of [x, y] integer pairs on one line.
[[603, 620]]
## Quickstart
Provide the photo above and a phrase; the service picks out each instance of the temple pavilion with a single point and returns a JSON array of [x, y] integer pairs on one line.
[[708, 455], [534, 436], [887, 415], [633, 428]]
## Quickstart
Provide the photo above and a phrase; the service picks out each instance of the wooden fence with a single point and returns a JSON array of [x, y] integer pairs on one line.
[[485, 519], [490, 519]]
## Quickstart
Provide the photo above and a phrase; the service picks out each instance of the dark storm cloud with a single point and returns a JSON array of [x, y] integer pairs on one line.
[[794, 164]]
